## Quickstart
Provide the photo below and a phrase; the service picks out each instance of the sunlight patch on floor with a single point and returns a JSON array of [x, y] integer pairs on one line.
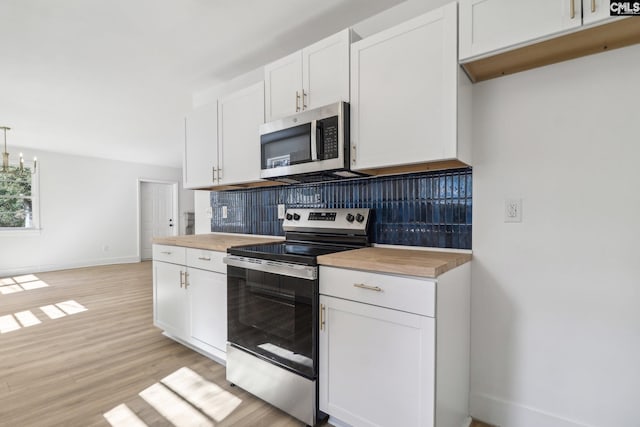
[[25, 278], [122, 416], [71, 307], [10, 285], [27, 318], [210, 398], [8, 323], [173, 408], [185, 399], [52, 311]]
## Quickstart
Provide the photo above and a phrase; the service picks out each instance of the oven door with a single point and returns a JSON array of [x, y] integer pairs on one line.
[[272, 311]]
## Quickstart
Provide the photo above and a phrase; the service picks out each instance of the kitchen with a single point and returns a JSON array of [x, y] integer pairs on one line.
[[542, 296]]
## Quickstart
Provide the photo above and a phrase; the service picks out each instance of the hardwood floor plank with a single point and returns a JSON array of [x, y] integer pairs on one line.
[[71, 370]]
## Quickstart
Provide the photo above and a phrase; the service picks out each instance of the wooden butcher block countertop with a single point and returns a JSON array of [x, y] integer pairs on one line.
[[409, 262], [213, 242]]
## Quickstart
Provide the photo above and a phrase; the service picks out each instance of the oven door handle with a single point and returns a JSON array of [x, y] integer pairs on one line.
[[306, 272]]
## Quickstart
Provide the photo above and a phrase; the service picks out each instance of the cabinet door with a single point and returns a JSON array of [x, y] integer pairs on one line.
[[200, 146], [170, 298], [377, 366], [283, 87], [404, 93], [489, 25], [208, 307], [325, 71], [594, 11], [240, 115]]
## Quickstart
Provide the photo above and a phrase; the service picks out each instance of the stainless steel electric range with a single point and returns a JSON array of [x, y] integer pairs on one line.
[[272, 307]]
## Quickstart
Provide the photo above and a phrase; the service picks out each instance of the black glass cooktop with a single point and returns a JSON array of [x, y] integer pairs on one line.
[[304, 253]]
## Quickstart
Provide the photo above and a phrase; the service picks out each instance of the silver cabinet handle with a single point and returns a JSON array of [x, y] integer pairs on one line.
[[181, 278], [367, 287], [304, 104], [186, 281], [572, 8], [322, 307], [297, 101], [219, 174], [166, 252], [593, 6], [353, 154], [213, 174], [204, 258]]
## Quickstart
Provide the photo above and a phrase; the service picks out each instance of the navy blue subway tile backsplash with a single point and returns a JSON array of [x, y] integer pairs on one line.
[[425, 209]]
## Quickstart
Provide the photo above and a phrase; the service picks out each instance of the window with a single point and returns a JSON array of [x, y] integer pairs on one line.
[[18, 198]]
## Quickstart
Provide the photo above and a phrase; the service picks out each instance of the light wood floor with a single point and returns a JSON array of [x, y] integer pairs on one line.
[[69, 371]]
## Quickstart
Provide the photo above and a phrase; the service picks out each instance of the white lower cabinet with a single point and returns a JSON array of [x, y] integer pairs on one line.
[[393, 351], [376, 364], [208, 290], [170, 299], [190, 298]]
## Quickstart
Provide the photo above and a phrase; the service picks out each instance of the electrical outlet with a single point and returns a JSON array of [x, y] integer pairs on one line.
[[513, 210], [281, 211], [225, 212]]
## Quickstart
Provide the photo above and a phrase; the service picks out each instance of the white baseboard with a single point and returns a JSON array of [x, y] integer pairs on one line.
[[503, 413], [67, 266], [337, 422]]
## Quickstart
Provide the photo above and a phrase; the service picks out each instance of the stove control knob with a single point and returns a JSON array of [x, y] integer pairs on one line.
[[289, 217], [359, 217], [350, 217], [296, 216]]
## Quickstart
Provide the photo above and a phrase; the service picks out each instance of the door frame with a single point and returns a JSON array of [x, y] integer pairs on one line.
[[176, 209]]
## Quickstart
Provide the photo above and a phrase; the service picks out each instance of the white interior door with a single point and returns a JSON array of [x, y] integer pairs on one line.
[[156, 214]]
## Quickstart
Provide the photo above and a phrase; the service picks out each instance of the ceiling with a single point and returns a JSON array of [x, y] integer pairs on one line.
[[113, 79]]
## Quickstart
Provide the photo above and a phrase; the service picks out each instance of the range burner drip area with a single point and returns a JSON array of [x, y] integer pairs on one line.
[[273, 307]]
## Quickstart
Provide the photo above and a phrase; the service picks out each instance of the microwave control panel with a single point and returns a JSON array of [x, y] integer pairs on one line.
[[328, 129]]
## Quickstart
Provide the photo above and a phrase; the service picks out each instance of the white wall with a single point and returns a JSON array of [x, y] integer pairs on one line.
[[556, 298], [86, 205]]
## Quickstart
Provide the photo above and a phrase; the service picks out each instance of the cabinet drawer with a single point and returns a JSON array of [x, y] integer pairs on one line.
[[166, 253], [408, 294], [206, 260]]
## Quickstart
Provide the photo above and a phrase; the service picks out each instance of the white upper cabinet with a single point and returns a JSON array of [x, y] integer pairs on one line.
[[492, 25], [240, 115], [409, 98], [283, 86], [312, 77], [325, 70], [595, 11], [200, 147]]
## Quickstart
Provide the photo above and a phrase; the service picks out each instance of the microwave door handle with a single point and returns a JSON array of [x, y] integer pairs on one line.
[[314, 147]]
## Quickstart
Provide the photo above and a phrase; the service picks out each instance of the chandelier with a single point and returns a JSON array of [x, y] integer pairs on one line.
[[5, 157]]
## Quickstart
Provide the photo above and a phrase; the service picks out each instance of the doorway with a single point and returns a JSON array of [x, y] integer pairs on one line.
[[158, 211]]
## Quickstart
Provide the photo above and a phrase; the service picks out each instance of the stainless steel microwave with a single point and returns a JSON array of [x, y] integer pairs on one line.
[[309, 146]]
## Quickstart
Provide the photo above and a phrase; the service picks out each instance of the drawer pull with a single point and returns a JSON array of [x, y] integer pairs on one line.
[[166, 252], [322, 317], [204, 258], [181, 278], [367, 287]]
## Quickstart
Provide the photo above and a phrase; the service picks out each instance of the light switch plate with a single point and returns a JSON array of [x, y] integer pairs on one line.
[[225, 212], [513, 210], [281, 211]]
